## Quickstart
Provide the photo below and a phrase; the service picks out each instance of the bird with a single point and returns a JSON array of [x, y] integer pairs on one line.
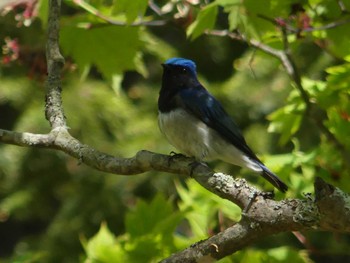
[[197, 125]]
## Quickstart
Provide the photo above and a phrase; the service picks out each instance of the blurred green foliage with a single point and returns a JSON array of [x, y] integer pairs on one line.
[[54, 210]]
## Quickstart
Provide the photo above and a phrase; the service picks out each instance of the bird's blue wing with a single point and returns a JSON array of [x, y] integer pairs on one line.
[[204, 106]]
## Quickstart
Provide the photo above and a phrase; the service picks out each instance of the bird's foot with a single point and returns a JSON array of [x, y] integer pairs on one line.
[[176, 155], [194, 165], [173, 156], [253, 196], [268, 195]]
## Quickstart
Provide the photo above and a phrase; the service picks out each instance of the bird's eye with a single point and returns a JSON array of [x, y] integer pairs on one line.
[[184, 70]]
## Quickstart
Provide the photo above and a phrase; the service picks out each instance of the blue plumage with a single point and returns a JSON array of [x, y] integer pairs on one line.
[[195, 122]]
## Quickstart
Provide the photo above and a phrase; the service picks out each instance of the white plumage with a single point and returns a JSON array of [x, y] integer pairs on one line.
[[194, 138]]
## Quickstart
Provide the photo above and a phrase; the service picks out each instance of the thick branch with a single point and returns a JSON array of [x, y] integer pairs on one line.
[[55, 61], [301, 212], [143, 161], [330, 211], [218, 183], [264, 217]]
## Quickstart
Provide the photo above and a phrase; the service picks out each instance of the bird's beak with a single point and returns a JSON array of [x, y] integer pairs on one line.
[[165, 66]]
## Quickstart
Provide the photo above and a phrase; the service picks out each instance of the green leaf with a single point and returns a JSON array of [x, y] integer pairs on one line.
[[43, 8], [16, 201], [103, 247], [228, 3], [155, 217], [285, 122], [111, 49], [131, 9], [233, 8], [156, 46], [287, 254], [202, 208], [234, 17], [339, 124], [251, 16], [147, 248], [204, 21], [339, 42], [151, 228], [275, 255]]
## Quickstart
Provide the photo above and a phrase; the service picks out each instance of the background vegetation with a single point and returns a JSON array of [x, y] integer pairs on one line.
[[52, 209]]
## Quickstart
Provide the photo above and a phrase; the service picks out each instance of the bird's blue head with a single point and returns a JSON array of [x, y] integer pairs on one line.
[[179, 74], [181, 62]]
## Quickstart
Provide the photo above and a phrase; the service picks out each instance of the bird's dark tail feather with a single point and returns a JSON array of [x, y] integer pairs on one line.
[[273, 179]]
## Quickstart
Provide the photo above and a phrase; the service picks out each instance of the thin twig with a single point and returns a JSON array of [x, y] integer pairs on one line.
[[155, 7], [225, 186], [251, 59], [327, 26], [293, 70], [342, 7], [279, 54], [290, 29]]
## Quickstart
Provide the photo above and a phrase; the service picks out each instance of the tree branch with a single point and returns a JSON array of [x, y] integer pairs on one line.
[[55, 61], [293, 72], [223, 185], [330, 210], [293, 30], [342, 7]]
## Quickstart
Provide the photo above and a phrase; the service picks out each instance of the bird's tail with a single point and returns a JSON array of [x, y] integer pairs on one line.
[[273, 179]]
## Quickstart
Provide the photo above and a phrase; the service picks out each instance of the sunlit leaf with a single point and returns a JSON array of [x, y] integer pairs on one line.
[[285, 123], [204, 21], [43, 12], [103, 247], [131, 9], [143, 221], [204, 208], [112, 49]]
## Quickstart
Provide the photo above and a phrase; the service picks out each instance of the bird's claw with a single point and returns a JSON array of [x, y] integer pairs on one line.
[[173, 156], [268, 195], [193, 165], [254, 195], [176, 155]]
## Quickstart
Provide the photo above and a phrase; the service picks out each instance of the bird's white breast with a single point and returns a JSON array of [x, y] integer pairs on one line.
[[194, 138], [185, 132]]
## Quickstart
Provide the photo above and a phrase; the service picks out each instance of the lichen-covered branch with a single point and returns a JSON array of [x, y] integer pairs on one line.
[[329, 210], [53, 110]]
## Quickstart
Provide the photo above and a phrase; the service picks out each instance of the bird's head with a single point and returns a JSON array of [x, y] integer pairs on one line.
[[179, 73]]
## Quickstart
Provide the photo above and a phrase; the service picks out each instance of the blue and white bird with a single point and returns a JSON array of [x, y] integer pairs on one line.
[[197, 125]]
